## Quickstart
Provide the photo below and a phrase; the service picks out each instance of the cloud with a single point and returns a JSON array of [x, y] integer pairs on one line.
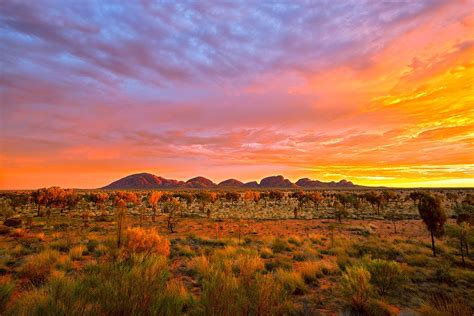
[[232, 85]]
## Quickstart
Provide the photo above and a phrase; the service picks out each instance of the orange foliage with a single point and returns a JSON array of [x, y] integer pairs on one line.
[[146, 241]]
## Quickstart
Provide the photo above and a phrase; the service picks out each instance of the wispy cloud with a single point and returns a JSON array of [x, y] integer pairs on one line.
[[234, 89]]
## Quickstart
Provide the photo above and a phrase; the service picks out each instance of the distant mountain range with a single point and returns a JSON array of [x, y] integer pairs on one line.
[[145, 181]]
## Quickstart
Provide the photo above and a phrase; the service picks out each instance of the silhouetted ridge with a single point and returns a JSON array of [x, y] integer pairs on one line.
[[143, 181]]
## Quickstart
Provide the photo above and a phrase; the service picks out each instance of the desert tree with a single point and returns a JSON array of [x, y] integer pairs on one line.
[[389, 196], [99, 199], [68, 201], [204, 198], [433, 215], [392, 216], [186, 198], [415, 196], [276, 196], [39, 197], [453, 197], [173, 209], [463, 233], [465, 211], [265, 196], [17, 200], [340, 210], [153, 199], [232, 197], [375, 199], [121, 206], [316, 198], [5, 208], [465, 215]]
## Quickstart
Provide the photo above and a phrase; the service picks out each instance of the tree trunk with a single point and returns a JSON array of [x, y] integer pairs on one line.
[[433, 244]]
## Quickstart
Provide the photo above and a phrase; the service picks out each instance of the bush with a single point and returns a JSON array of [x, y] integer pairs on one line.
[[356, 287], [146, 242], [386, 276]]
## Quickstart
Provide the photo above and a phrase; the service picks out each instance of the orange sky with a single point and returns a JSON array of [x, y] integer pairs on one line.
[[376, 94]]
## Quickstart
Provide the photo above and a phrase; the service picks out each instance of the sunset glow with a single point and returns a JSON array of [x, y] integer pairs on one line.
[[378, 93]]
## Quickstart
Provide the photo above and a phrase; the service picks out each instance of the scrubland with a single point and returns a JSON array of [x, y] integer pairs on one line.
[[213, 253]]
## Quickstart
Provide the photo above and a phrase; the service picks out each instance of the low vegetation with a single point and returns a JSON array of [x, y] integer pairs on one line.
[[236, 253]]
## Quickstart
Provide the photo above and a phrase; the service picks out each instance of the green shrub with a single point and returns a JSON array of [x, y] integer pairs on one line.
[[386, 276]]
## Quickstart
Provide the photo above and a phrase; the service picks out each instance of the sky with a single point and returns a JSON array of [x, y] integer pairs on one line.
[[376, 92]]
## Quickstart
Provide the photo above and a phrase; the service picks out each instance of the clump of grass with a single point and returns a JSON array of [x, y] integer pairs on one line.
[[375, 248], [278, 263], [6, 290], [239, 287], [440, 304], [246, 266], [266, 253], [280, 245], [146, 242], [356, 287], [199, 265], [92, 245], [311, 271], [139, 287], [65, 264], [379, 307], [295, 240], [37, 268], [183, 251], [76, 252], [292, 281]]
